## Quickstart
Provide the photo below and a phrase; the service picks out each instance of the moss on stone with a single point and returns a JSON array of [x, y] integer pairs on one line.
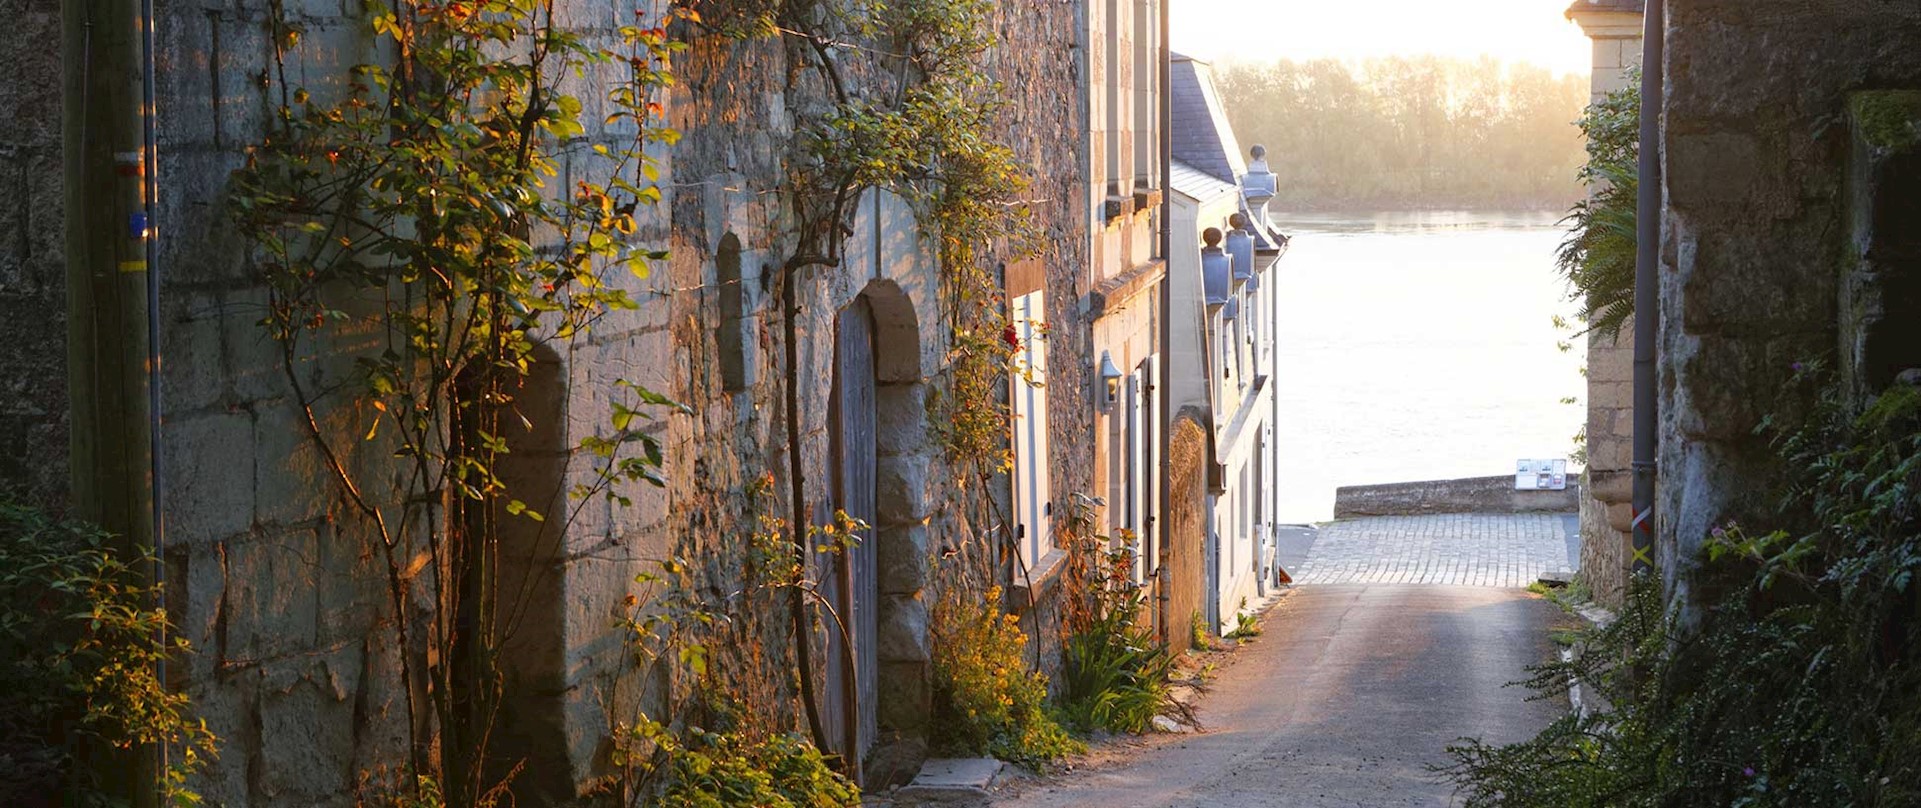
[[1887, 119]]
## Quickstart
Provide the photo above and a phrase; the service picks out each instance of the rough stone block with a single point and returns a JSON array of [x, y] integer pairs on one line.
[[906, 698], [1611, 395], [252, 359], [190, 337], [901, 418], [901, 555], [271, 595], [291, 481], [350, 582], [229, 706], [196, 587], [197, 243], [1620, 517], [210, 477], [1611, 357], [1610, 486], [1716, 172], [306, 732], [901, 489], [903, 629]]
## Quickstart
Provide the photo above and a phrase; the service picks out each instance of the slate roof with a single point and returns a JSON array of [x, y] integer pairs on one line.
[[1629, 6], [1202, 137], [1196, 184]]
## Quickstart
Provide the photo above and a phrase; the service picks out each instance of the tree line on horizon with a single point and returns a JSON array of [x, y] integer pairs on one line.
[[1412, 132]]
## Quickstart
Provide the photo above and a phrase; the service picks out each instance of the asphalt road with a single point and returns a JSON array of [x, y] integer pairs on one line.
[[1346, 700]]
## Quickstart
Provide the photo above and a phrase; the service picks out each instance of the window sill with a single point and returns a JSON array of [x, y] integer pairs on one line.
[[1040, 579]]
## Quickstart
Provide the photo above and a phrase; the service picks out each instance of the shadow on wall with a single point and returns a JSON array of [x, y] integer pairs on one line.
[[530, 728]]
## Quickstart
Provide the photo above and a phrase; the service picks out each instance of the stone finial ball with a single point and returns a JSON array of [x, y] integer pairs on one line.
[[1212, 236], [1259, 151], [1237, 221]]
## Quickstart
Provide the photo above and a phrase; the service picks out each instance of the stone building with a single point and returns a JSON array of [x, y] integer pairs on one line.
[[272, 578], [1614, 26], [1224, 248], [1789, 137], [1125, 188]]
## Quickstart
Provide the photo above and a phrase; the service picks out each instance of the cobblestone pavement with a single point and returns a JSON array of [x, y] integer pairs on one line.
[[1463, 549]]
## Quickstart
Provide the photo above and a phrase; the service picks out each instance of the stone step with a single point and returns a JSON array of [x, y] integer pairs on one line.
[[952, 781]]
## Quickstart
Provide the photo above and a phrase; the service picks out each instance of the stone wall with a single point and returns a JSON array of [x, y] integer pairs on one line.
[[281, 586], [33, 281], [1607, 514], [1762, 226], [1047, 126]]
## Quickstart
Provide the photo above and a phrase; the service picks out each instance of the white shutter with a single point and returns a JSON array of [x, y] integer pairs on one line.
[[1149, 460], [1030, 429], [1136, 475]]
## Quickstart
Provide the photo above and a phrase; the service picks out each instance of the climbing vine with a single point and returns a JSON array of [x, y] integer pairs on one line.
[[424, 266], [922, 125], [421, 264]]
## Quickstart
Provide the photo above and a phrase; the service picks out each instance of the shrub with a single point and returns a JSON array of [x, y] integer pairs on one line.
[[80, 647], [985, 699], [1246, 623], [1116, 672], [1598, 255], [780, 771], [1797, 681]]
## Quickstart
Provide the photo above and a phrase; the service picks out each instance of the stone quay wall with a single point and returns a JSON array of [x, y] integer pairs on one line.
[[1465, 495]]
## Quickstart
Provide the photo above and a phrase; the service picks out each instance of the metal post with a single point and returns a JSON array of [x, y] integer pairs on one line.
[[1647, 315]]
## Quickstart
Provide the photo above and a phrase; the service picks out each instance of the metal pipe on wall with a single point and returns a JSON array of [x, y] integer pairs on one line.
[[1647, 316], [1163, 512]]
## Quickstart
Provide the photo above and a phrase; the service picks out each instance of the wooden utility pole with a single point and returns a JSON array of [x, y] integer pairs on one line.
[[104, 158]]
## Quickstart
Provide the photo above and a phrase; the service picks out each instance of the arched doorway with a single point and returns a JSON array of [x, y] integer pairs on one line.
[[851, 721], [881, 457]]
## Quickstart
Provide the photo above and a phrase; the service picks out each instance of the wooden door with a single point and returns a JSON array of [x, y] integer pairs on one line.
[[853, 575]]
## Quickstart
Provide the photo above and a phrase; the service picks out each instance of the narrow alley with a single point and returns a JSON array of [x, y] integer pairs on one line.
[[1358, 685]]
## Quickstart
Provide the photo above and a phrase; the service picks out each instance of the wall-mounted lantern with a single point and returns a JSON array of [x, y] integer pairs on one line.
[[1110, 378]]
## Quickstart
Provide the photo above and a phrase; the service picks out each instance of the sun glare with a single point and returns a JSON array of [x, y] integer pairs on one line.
[[1531, 31]]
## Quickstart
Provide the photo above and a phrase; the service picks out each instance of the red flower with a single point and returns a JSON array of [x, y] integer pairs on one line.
[[1011, 337]]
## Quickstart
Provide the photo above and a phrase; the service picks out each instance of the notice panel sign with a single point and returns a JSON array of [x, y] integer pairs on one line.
[[1540, 475]]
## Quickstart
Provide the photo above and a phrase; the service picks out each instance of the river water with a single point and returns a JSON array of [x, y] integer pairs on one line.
[[1418, 346]]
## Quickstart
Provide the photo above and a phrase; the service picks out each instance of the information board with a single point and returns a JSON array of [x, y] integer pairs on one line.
[[1540, 475]]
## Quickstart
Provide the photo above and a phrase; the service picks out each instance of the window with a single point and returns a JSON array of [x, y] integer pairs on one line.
[[1032, 509], [1134, 506], [1148, 470]]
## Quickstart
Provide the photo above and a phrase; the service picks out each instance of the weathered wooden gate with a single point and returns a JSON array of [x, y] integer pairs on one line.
[[851, 578]]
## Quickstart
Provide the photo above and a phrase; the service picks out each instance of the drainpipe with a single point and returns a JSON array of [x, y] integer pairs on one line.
[[150, 145], [1163, 520], [1647, 319]]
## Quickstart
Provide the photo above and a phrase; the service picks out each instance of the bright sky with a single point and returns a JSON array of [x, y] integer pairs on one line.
[[1267, 30]]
